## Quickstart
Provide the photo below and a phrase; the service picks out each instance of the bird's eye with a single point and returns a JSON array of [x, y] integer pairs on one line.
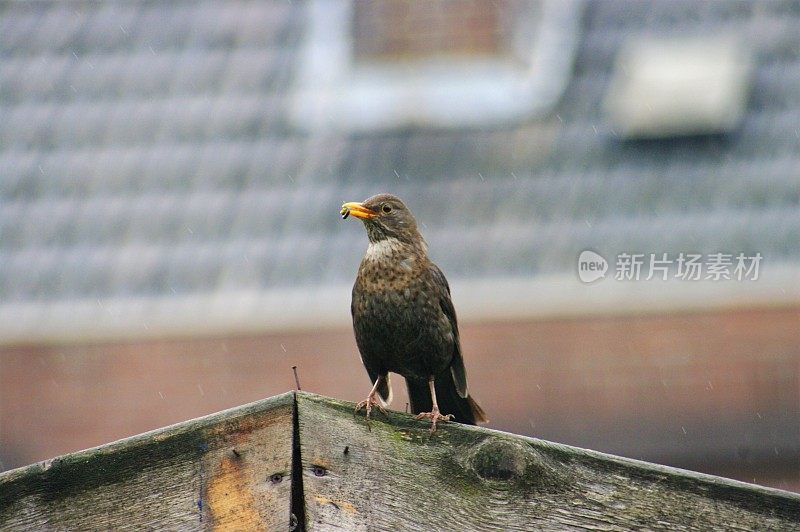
[[386, 209]]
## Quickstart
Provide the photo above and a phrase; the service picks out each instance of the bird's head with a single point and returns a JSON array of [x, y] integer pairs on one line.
[[385, 216]]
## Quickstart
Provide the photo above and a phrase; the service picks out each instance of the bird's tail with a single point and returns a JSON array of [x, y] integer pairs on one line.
[[464, 409]]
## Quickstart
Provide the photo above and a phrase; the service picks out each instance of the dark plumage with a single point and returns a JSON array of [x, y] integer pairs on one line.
[[403, 317]]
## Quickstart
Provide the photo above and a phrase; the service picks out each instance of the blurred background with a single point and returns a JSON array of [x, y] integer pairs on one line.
[[171, 175]]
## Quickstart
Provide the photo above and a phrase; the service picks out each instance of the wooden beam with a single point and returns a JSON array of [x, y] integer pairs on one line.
[[303, 458], [227, 471], [399, 477]]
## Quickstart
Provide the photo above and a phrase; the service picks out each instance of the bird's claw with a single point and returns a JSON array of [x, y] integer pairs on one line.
[[434, 416], [367, 404]]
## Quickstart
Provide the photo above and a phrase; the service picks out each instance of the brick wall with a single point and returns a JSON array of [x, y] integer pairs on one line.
[[407, 29]]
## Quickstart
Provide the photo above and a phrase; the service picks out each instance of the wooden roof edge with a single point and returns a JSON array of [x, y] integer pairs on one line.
[[678, 476], [159, 435], [556, 465]]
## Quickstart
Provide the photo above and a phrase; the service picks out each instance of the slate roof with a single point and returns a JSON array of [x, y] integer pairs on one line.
[[145, 151]]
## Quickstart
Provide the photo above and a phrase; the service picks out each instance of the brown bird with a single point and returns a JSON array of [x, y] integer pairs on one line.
[[404, 320]]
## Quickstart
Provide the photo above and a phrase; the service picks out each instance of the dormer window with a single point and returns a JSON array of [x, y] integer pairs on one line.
[[370, 65]]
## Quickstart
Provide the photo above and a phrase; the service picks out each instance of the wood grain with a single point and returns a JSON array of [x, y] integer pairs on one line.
[[236, 470], [398, 477], [227, 471]]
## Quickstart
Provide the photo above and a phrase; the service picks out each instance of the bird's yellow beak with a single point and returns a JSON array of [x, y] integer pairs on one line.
[[358, 210]]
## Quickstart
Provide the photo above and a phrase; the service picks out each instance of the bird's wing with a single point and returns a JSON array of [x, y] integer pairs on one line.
[[457, 365]]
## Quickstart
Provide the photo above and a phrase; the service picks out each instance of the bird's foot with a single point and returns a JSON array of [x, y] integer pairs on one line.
[[434, 416], [367, 404]]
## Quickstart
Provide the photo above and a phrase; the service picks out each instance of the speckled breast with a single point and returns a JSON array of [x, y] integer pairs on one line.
[[401, 327]]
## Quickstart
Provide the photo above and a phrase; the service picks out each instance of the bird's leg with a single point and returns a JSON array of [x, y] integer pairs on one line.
[[434, 414], [371, 400]]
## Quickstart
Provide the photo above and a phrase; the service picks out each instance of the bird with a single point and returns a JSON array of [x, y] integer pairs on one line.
[[404, 320]]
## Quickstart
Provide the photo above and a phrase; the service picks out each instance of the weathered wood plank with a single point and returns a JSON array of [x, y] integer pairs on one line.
[[398, 477], [234, 471], [228, 471]]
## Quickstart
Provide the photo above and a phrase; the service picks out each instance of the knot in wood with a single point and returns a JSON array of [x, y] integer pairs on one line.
[[517, 463], [499, 460]]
